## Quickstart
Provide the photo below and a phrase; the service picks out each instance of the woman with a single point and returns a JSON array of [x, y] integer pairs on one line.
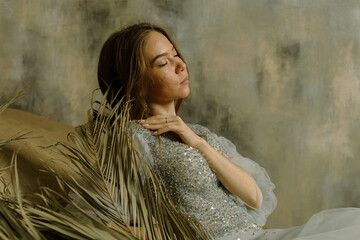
[[229, 195]]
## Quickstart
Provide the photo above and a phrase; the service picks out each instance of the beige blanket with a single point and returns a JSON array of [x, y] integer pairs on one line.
[[31, 158]]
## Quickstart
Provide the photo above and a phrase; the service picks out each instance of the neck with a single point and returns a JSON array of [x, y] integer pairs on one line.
[[162, 108]]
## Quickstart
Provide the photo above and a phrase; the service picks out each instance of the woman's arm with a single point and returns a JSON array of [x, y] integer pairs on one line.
[[234, 178]]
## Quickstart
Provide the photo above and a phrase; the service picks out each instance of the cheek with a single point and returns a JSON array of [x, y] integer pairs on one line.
[[160, 82], [155, 87]]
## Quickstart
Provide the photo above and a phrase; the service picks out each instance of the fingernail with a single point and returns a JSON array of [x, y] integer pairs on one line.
[[154, 133], [145, 125], [142, 120]]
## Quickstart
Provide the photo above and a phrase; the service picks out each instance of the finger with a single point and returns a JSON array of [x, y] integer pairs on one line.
[[154, 126], [159, 119], [169, 126], [162, 130]]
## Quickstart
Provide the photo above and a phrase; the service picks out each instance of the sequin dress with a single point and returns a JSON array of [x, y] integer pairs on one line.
[[195, 189]]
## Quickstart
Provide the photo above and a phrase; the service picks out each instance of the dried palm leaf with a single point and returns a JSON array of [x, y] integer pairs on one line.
[[118, 184], [126, 197], [21, 219], [2, 109], [13, 99]]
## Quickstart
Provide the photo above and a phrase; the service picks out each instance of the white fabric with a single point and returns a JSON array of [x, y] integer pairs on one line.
[[332, 224]]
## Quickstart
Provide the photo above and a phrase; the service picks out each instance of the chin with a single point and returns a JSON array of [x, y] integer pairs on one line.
[[187, 93]]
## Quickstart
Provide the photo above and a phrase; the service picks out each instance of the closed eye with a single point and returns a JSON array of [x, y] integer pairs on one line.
[[163, 64]]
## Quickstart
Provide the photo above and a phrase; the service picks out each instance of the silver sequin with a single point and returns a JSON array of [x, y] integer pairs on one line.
[[194, 187]]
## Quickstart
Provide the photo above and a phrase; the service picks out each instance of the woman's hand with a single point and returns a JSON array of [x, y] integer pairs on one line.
[[169, 123]]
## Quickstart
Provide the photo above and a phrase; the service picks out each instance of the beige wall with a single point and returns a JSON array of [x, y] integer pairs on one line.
[[278, 78]]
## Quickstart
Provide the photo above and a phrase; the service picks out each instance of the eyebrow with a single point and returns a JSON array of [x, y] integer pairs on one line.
[[161, 55]]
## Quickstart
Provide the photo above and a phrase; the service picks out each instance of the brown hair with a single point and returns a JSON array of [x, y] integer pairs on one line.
[[122, 67]]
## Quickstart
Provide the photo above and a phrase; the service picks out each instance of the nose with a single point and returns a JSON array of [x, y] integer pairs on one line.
[[180, 66]]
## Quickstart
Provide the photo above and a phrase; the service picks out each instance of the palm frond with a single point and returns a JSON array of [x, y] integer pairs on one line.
[[118, 184], [4, 106], [18, 136], [115, 193], [21, 219], [14, 223], [13, 99]]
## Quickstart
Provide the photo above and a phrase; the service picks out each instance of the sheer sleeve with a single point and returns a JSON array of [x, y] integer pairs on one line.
[[143, 148], [261, 178]]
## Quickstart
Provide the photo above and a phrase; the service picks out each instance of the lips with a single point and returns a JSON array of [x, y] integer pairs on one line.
[[185, 81]]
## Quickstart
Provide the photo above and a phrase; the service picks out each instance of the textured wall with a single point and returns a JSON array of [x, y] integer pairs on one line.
[[278, 78]]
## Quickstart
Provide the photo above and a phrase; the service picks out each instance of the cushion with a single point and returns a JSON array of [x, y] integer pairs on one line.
[[32, 160]]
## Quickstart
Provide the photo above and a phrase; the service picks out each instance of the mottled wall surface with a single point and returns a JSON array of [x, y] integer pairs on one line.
[[278, 78]]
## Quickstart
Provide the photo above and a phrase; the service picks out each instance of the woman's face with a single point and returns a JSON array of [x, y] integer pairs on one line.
[[167, 73]]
